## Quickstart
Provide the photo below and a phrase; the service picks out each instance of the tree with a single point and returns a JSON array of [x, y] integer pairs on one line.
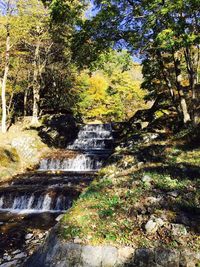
[[165, 31], [8, 9], [40, 57], [110, 89]]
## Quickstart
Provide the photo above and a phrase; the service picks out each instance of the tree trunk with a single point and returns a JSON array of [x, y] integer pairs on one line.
[[183, 103], [25, 102], [186, 115], [36, 85], [4, 81], [36, 99]]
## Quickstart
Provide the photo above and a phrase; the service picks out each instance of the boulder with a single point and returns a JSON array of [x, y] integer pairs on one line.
[[58, 130]]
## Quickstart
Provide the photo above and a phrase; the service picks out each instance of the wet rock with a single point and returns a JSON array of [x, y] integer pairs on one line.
[[178, 230], [28, 236], [7, 258], [20, 255], [10, 264]]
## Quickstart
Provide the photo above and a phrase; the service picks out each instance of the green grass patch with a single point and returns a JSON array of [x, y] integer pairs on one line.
[[116, 206]]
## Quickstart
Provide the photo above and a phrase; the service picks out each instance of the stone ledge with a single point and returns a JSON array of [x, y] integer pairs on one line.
[[57, 253]]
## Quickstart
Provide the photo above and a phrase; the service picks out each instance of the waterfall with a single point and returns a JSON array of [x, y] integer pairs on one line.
[[82, 162], [33, 203], [46, 193], [46, 205], [94, 140], [1, 202]]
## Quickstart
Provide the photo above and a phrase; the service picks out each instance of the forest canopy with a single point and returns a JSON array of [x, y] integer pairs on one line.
[[53, 56]]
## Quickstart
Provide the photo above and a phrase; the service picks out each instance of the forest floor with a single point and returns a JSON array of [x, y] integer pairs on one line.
[[147, 196]]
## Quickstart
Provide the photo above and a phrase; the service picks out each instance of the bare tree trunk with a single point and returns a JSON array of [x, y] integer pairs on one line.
[[25, 101], [36, 85], [186, 115], [183, 103], [4, 81]]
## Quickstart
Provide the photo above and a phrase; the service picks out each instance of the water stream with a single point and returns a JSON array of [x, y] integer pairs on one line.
[[33, 200]]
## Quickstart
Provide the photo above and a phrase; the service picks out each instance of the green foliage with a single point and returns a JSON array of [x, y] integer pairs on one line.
[[49, 26], [166, 35]]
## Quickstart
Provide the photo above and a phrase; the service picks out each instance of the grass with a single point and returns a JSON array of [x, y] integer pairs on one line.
[[116, 206]]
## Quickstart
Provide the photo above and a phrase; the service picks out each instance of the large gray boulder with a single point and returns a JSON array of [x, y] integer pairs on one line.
[[55, 252]]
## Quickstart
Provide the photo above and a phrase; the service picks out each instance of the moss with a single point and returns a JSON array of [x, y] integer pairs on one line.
[[114, 209], [9, 162], [13, 160], [8, 155]]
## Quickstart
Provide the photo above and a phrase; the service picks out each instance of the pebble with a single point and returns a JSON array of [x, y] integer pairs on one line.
[[10, 264], [153, 224], [151, 227]]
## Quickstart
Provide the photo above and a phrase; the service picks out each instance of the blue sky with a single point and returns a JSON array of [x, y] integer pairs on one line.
[[91, 12]]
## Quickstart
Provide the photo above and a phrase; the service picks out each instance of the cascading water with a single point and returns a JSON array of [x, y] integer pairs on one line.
[[92, 146], [94, 143], [33, 201]]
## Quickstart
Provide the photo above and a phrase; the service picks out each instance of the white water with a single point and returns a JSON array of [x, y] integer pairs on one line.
[[80, 163], [96, 135], [46, 203], [32, 203], [93, 138]]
